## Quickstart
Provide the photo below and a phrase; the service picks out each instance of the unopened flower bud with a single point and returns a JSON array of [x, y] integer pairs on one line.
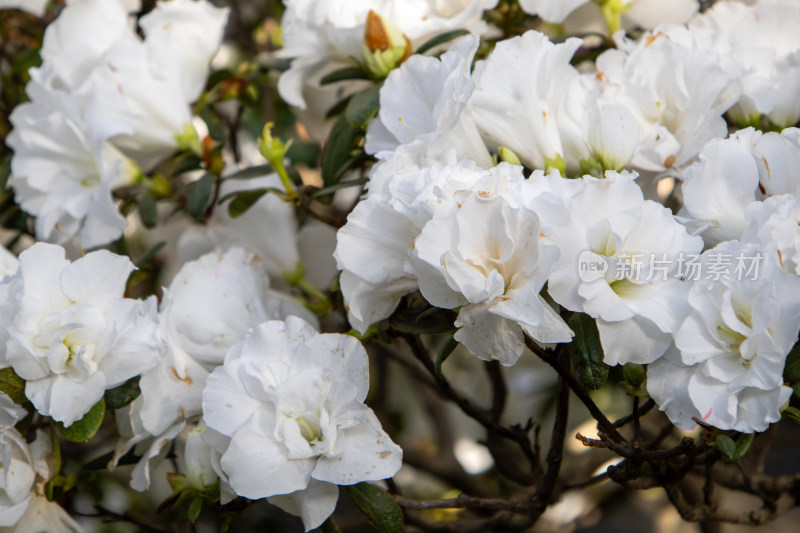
[[384, 47]]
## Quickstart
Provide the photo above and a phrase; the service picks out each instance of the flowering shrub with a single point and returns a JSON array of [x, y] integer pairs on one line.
[[257, 252]]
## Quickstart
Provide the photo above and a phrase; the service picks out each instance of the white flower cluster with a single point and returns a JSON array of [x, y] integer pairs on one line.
[[514, 185], [102, 108], [508, 246]]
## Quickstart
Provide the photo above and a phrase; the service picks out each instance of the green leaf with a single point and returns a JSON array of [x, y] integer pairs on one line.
[[193, 512], [338, 150], [216, 130], [244, 201], [362, 107], [378, 507], [119, 397], [338, 108], [343, 74], [725, 445], [5, 172], [586, 352], [199, 195], [791, 371], [257, 171], [147, 211], [341, 185], [433, 320], [444, 352], [85, 428], [442, 38], [150, 254], [793, 414], [13, 385], [742, 446]]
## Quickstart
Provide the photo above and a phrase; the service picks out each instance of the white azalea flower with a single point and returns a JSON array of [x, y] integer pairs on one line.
[[72, 335], [24, 469], [530, 99], [733, 173], [69, 57], [211, 305], [635, 247], [775, 225], [63, 171], [678, 110], [731, 349], [762, 40], [485, 253], [372, 249], [291, 402], [182, 36], [423, 102]]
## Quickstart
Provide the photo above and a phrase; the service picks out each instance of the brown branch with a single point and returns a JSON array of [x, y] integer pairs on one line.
[[604, 424]]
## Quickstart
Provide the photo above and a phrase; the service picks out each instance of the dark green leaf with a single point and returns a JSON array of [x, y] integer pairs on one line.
[[13, 385], [147, 211], [440, 39], [586, 352], [330, 526], [244, 201], [378, 507], [343, 74], [444, 352], [434, 320], [194, 509], [258, 171], [199, 195], [5, 172], [338, 151], [119, 397], [362, 107], [150, 254], [725, 445], [216, 130], [338, 108], [341, 185], [85, 428], [791, 371], [743, 445], [793, 414]]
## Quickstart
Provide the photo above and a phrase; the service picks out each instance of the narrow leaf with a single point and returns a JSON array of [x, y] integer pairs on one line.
[[725, 445], [199, 195], [586, 352], [442, 38], [120, 396], [150, 254], [343, 74], [444, 352], [258, 171], [362, 107], [147, 211], [743, 445], [13, 385], [791, 371], [378, 507], [85, 428], [338, 150], [244, 201]]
